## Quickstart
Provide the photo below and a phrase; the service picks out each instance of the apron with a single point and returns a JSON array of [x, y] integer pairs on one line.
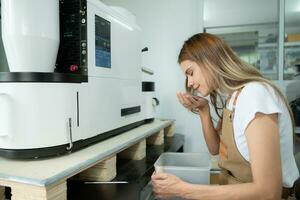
[[235, 168]]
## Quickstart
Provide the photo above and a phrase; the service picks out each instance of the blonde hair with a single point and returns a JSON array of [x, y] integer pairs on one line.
[[225, 69]]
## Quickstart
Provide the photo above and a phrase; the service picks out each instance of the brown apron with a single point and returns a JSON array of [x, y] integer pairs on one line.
[[234, 167]]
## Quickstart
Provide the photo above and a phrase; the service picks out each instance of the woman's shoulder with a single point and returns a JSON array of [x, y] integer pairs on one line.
[[256, 86], [254, 98], [257, 90], [258, 95]]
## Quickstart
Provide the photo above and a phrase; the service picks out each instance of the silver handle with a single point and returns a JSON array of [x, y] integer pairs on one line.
[[147, 71], [70, 132], [156, 101]]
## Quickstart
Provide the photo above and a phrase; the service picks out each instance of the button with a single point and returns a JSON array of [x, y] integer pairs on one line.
[[83, 21], [73, 68], [82, 12], [83, 52], [83, 44]]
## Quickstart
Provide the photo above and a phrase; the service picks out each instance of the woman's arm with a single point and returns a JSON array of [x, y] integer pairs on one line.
[[264, 149]]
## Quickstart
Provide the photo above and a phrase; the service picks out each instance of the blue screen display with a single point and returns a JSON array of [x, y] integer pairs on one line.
[[102, 42]]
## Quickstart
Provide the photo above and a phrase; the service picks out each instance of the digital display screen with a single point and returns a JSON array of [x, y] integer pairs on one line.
[[102, 42]]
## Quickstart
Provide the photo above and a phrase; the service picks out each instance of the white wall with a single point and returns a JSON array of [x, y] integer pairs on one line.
[[166, 24]]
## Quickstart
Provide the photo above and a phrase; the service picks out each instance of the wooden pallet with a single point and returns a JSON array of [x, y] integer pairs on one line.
[[107, 170], [102, 171], [158, 138], [2, 190], [46, 179], [28, 192], [135, 152]]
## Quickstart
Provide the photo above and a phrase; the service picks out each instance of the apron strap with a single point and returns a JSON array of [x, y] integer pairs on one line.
[[235, 98]]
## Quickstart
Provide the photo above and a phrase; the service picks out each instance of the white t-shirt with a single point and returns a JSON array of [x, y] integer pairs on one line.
[[259, 97]]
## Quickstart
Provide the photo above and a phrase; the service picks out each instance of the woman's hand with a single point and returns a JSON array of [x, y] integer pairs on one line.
[[166, 185], [192, 102]]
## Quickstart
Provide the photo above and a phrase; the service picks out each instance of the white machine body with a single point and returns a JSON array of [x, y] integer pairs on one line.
[[27, 37], [37, 115], [150, 99]]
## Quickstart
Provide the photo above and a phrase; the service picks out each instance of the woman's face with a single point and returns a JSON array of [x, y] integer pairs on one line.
[[195, 77]]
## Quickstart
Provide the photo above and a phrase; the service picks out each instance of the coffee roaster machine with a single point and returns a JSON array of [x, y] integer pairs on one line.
[[74, 76]]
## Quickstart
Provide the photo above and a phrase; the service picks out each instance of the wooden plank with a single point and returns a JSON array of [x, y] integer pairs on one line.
[[31, 192], [2, 191], [156, 139], [47, 171], [103, 171], [169, 130], [135, 152]]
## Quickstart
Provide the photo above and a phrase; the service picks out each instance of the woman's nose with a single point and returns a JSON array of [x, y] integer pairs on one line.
[[190, 82]]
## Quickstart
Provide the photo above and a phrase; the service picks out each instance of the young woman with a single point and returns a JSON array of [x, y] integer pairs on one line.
[[254, 138]]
